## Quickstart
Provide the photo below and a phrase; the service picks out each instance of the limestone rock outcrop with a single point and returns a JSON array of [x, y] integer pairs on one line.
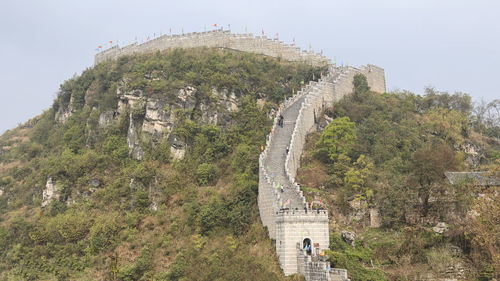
[[349, 237], [440, 228], [50, 193]]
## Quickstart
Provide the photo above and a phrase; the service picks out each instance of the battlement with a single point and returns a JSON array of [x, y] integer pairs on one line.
[[217, 39], [284, 215]]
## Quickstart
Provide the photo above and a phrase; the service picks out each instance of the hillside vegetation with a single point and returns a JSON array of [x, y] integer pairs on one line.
[[388, 153], [116, 218], [124, 202]]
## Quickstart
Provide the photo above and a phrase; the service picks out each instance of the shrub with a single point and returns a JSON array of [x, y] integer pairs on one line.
[[103, 232], [206, 174], [73, 225]]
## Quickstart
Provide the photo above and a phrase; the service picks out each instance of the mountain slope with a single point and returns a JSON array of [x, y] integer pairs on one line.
[[146, 168]]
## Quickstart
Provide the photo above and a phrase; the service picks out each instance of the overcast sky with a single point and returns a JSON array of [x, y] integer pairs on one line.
[[453, 45]]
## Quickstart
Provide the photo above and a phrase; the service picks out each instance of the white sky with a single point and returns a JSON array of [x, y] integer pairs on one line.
[[453, 45]]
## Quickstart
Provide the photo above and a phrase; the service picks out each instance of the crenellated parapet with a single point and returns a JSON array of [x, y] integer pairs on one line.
[[218, 39]]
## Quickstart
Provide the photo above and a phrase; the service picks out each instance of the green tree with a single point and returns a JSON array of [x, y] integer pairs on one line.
[[427, 175], [356, 178], [338, 138]]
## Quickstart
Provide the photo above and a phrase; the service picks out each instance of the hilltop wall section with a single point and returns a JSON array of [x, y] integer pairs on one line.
[[217, 39]]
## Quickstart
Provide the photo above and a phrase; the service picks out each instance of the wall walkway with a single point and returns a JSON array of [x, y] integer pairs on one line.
[[286, 213]]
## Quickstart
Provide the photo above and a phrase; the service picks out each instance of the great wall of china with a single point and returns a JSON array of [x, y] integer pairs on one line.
[[290, 221]]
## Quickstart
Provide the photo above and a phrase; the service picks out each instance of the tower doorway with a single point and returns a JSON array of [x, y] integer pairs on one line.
[[307, 245]]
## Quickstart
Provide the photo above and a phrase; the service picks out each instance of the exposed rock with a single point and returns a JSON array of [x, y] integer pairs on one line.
[[187, 97], [137, 153], [177, 149], [440, 228], [95, 183], [360, 210], [127, 99], [106, 117], [154, 206], [349, 237], [159, 119], [472, 154], [50, 192], [63, 114], [133, 141], [261, 103], [227, 100], [374, 218], [455, 271], [356, 204], [70, 201], [455, 251], [209, 114], [472, 214], [134, 184]]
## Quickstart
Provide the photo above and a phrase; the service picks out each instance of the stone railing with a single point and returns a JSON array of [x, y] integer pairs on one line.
[[218, 39]]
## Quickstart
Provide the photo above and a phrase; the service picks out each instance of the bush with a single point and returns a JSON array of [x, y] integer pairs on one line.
[[73, 225], [103, 232], [206, 174]]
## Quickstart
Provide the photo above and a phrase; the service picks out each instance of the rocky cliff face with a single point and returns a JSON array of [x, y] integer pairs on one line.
[[153, 118]]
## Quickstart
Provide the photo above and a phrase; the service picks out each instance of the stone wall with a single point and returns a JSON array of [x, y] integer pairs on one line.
[[290, 227], [320, 95], [217, 39]]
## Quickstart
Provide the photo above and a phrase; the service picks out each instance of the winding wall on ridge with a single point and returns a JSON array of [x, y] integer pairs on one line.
[[285, 213]]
